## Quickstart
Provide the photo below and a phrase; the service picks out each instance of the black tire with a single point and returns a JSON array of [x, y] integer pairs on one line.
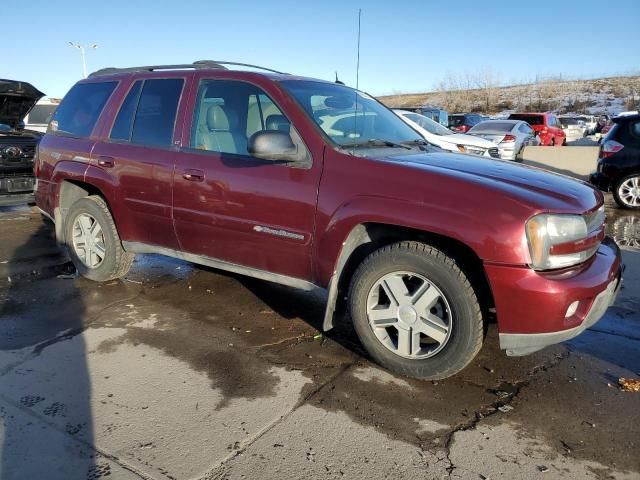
[[116, 262], [467, 330], [616, 194]]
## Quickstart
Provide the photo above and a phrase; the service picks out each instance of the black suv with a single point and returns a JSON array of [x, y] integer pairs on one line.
[[619, 163], [463, 122], [17, 145]]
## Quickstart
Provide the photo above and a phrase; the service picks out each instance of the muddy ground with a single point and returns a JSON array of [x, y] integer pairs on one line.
[[184, 372]]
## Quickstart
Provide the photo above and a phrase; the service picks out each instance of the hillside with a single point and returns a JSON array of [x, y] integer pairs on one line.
[[603, 95]]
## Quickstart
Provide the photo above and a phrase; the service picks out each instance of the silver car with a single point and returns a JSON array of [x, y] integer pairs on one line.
[[510, 135]]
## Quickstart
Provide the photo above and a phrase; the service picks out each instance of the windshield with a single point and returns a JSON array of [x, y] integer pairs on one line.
[[492, 126], [347, 116], [429, 125], [530, 119], [41, 114]]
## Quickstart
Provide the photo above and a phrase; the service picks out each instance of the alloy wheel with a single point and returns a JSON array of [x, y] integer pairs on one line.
[[629, 191]]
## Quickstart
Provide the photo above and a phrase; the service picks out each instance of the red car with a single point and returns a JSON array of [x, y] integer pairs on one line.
[[317, 186], [546, 125]]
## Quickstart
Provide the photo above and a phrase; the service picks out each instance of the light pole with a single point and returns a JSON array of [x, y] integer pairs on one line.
[[81, 48]]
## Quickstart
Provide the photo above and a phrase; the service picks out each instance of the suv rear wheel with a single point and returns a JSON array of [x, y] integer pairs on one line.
[[93, 241], [626, 191], [415, 311]]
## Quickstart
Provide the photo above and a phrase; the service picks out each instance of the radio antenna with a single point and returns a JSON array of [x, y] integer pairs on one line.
[[358, 51]]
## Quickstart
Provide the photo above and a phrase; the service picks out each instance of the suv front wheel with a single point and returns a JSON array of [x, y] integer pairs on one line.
[[94, 244], [415, 311]]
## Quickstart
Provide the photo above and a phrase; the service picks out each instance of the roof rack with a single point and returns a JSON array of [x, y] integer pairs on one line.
[[200, 64]]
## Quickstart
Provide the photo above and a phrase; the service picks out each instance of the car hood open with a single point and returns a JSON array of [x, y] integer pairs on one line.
[[16, 100], [530, 185]]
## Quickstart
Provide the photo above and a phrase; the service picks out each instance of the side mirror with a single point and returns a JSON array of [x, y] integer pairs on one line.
[[273, 145], [21, 125]]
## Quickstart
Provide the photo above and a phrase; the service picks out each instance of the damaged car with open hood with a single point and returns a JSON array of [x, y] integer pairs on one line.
[[17, 144]]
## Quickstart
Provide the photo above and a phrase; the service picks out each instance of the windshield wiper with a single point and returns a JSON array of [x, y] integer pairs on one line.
[[374, 142], [418, 141]]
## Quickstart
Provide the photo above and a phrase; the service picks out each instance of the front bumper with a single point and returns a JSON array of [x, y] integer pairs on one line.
[[16, 190], [531, 306]]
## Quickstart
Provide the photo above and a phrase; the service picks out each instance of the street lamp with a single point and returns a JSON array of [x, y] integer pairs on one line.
[[81, 48]]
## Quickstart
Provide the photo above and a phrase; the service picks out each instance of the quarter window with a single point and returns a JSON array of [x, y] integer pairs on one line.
[[79, 111], [124, 121], [156, 113]]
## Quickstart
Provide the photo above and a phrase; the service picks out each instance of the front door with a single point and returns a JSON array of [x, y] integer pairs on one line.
[[233, 207]]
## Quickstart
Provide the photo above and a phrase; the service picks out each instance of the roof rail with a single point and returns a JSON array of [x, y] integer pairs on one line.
[[200, 64]]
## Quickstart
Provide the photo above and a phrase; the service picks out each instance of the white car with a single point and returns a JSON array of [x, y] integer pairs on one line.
[[38, 118], [444, 138]]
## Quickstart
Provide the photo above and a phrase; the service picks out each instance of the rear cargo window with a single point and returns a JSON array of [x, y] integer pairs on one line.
[[530, 119], [80, 108], [41, 114]]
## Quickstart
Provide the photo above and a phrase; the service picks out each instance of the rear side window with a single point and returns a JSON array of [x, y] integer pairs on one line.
[[81, 107], [627, 133], [156, 112], [124, 121]]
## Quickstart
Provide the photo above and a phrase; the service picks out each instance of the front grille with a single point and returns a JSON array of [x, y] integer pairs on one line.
[[26, 146], [494, 152]]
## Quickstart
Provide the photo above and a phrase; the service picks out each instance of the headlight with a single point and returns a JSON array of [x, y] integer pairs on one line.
[[471, 150], [557, 241]]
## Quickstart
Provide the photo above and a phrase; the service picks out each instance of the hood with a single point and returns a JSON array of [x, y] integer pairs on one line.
[[531, 186], [16, 100], [463, 139]]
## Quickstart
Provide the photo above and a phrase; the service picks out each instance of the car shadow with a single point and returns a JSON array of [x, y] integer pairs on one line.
[[46, 426]]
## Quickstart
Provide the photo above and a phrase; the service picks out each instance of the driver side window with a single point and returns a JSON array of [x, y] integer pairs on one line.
[[228, 113]]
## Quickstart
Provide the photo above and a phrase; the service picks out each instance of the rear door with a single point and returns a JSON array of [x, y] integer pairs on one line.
[[231, 206], [138, 155]]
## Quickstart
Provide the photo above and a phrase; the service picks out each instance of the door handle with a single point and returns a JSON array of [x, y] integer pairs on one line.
[[107, 162], [193, 175]]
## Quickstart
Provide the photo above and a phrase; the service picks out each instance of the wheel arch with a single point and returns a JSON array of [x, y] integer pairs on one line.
[[365, 238], [71, 190]]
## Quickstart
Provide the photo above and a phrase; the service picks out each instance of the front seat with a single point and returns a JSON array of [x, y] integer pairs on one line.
[[220, 133]]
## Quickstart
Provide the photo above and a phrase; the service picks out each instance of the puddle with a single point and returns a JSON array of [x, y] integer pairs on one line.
[[625, 229]]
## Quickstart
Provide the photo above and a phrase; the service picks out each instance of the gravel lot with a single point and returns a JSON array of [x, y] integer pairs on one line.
[[185, 372]]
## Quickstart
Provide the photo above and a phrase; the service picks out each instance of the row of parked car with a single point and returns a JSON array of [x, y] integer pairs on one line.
[[479, 135]]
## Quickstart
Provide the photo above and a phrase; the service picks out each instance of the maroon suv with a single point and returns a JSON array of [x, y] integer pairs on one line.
[[315, 185]]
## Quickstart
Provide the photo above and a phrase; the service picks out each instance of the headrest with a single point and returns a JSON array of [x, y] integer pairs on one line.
[[217, 118], [277, 122]]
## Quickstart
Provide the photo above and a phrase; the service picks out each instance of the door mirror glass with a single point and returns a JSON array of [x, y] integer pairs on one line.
[[273, 145]]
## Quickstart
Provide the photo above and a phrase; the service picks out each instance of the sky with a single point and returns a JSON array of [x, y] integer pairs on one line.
[[406, 46]]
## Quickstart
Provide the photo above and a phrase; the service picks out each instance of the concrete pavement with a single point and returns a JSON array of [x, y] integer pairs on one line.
[[179, 372]]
